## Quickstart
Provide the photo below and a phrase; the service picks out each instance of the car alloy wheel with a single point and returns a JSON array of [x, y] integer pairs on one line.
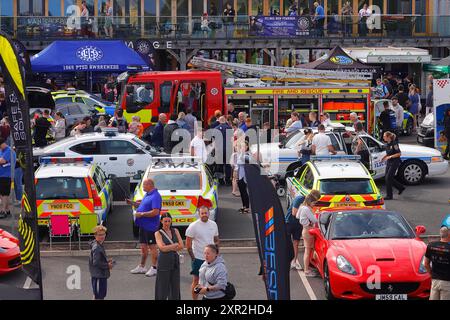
[[412, 173], [327, 283]]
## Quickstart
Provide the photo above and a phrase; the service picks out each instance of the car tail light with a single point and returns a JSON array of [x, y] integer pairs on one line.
[[322, 204], [378, 202], [95, 197], [204, 202]]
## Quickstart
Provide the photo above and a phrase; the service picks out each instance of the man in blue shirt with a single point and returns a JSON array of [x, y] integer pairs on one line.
[[158, 132], [7, 156], [294, 228], [147, 219], [319, 18], [296, 123]]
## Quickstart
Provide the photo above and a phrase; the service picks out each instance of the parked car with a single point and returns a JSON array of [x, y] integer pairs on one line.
[[74, 112], [39, 98], [425, 136], [9, 252]]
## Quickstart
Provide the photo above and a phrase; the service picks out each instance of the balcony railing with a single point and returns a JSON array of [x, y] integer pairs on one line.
[[277, 27]]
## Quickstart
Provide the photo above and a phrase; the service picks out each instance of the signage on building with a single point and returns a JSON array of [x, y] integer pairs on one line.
[[276, 26], [342, 60], [399, 59]]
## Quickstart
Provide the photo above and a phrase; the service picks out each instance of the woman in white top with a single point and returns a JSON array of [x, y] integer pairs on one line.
[[60, 126], [307, 220]]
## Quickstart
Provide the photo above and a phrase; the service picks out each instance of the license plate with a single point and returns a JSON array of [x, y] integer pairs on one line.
[[346, 204], [391, 297], [174, 203], [62, 206]]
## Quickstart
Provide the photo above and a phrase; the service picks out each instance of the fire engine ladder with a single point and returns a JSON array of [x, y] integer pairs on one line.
[[280, 74]]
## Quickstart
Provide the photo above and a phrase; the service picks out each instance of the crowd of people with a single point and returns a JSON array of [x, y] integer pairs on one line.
[[156, 234]]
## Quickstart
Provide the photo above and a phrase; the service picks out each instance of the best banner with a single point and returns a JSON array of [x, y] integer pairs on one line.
[[12, 69], [274, 246]]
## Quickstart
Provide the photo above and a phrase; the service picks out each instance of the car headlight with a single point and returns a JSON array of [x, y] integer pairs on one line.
[[345, 266], [437, 159], [422, 268]]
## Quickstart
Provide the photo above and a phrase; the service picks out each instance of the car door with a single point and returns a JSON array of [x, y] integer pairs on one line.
[[292, 184], [123, 158], [337, 144], [376, 152], [104, 188]]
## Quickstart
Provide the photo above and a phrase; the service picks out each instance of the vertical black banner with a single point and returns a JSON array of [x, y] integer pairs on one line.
[[13, 68], [274, 246]]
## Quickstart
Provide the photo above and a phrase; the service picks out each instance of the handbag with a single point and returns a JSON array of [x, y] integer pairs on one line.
[[230, 291], [180, 256]]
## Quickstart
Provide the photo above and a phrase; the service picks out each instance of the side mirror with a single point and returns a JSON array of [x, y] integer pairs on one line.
[[420, 230], [111, 176], [138, 175], [296, 171], [140, 151], [324, 218]]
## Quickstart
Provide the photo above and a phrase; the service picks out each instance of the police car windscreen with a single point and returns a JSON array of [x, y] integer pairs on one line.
[[346, 186], [61, 188], [176, 180]]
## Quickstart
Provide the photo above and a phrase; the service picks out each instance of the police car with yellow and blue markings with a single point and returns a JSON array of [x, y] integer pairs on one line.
[[185, 184], [72, 186], [81, 96]]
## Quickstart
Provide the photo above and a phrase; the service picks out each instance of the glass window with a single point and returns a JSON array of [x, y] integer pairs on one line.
[[257, 7], [400, 7], [86, 148], [333, 7], [182, 14], [345, 186], [63, 100], [143, 93], [197, 9], [166, 89], [176, 180], [365, 225], [98, 180], [305, 7], [74, 109], [274, 7], [61, 188], [150, 16], [165, 10], [118, 147], [380, 4], [308, 179], [54, 8], [242, 9], [71, 8], [6, 8], [30, 8]]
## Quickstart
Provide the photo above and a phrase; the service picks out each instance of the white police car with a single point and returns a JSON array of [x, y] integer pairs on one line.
[[185, 184], [417, 161], [121, 154]]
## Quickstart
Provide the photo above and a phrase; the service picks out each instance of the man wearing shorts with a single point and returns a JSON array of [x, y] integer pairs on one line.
[[198, 235], [7, 156], [147, 219], [294, 228]]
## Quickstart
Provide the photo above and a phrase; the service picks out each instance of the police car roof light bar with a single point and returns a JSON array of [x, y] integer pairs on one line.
[[59, 160], [110, 132], [336, 158]]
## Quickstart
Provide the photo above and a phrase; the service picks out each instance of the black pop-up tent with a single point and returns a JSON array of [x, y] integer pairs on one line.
[[338, 59]]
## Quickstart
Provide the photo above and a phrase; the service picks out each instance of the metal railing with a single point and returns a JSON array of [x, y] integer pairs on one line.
[[279, 27]]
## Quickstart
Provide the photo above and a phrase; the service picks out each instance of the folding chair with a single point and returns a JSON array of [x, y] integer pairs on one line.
[[86, 224], [60, 227]]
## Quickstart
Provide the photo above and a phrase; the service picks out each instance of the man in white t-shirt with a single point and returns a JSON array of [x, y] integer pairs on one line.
[[321, 143], [198, 235], [198, 147], [399, 112]]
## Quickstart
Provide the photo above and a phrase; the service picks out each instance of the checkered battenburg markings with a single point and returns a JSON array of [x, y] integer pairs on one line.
[[442, 83]]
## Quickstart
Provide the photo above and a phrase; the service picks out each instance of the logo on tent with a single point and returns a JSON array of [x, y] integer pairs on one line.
[[89, 53], [342, 60]]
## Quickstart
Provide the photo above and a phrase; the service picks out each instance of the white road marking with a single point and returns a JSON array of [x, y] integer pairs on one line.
[[307, 286], [27, 284]]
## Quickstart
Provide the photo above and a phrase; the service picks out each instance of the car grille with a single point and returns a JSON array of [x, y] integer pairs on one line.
[[14, 262], [423, 130], [392, 288]]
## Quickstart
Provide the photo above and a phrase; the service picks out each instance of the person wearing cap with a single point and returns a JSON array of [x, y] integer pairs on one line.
[[399, 112], [7, 157]]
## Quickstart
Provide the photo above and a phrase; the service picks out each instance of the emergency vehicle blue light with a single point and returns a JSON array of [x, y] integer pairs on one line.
[[335, 158], [54, 160]]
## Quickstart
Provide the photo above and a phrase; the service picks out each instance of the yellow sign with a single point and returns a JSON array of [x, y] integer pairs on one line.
[[183, 220], [174, 203], [296, 91], [61, 206]]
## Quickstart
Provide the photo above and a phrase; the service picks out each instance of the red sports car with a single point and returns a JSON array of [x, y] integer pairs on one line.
[[370, 254], [9, 252]]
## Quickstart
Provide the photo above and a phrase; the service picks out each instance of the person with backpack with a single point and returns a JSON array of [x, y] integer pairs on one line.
[[294, 228], [213, 275], [119, 122], [387, 119]]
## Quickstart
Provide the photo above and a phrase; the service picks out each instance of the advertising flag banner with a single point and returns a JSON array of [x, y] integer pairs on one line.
[[441, 102], [274, 247], [12, 68]]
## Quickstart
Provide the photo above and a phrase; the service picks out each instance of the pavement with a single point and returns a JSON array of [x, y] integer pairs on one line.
[[67, 278]]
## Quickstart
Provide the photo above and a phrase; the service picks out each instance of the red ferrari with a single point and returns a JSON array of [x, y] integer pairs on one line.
[[9, 253], [370, 254]]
